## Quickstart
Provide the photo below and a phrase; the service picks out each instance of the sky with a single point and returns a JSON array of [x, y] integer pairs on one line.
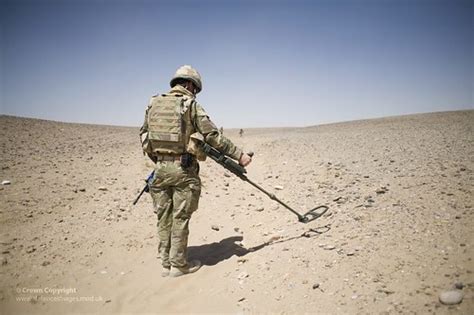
[[263, 63]]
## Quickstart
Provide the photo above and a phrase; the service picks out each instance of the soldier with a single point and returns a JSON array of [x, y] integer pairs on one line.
[[170, 120]]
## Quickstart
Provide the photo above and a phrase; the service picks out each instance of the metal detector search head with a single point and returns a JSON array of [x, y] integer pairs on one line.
[[313, 214]]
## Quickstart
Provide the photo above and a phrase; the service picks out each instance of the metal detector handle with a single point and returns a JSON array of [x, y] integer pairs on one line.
[[223, 160]]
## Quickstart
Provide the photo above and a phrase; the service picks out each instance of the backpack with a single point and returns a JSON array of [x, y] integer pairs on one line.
[[166, 126]]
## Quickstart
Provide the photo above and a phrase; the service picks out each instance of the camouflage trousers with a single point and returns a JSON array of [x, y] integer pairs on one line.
[[175, 192]]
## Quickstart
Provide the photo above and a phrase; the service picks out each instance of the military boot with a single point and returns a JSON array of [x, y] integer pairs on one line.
[[165, 272], [191, 267]]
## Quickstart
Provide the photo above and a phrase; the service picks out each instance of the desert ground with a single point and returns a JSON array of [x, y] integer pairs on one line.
[[399, 230]]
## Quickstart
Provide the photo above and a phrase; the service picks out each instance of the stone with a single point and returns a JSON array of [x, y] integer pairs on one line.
[[242, 275], [215, 227], [278, 187], [260, 209], [451, 297], [102, 188], [6, 182], [315, 286], [459, 285]]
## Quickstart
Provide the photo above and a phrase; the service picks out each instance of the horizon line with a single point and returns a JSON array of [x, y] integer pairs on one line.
[[248, 128]]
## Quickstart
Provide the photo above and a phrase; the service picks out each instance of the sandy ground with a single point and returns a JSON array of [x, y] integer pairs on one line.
[[399, 229]]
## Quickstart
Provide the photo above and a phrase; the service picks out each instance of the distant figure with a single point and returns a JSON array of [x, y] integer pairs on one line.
[[221, 130], [241, 132], [176, 186]]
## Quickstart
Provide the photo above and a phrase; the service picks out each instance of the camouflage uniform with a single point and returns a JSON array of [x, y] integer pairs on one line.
[[176, 190]]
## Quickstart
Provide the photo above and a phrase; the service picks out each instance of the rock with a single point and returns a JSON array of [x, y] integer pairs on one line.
[[236, 229], [381, 190], [6, 182], [102, 188], [4, 261], [242, 260], [451, 297], [241, 299], [30, 249], [329, 247], [260, 209], [215, 227], [242, 275], [386, 291], [459, 285], [315, 286], [82, 189], [278, 187], [45, 263]]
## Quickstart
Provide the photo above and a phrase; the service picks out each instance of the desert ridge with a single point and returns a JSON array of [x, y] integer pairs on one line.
[[398, 232]]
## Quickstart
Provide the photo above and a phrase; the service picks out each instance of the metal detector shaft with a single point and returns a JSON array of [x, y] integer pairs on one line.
[[273, 197], [240, 171]]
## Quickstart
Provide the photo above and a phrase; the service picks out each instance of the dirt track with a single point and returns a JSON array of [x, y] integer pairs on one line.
[[399, 229]]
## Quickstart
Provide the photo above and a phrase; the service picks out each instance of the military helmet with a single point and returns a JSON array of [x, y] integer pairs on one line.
[[188, 73]]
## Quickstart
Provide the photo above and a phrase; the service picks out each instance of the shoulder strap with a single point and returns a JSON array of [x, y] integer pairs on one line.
[[195, 117]]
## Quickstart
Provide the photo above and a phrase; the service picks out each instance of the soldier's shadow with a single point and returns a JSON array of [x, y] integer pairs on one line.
[[214, 253]]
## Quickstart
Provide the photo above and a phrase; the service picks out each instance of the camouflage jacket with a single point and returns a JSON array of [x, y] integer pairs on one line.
[[200, 122]]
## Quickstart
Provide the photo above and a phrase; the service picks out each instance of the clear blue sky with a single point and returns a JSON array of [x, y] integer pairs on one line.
[[263, 63]]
